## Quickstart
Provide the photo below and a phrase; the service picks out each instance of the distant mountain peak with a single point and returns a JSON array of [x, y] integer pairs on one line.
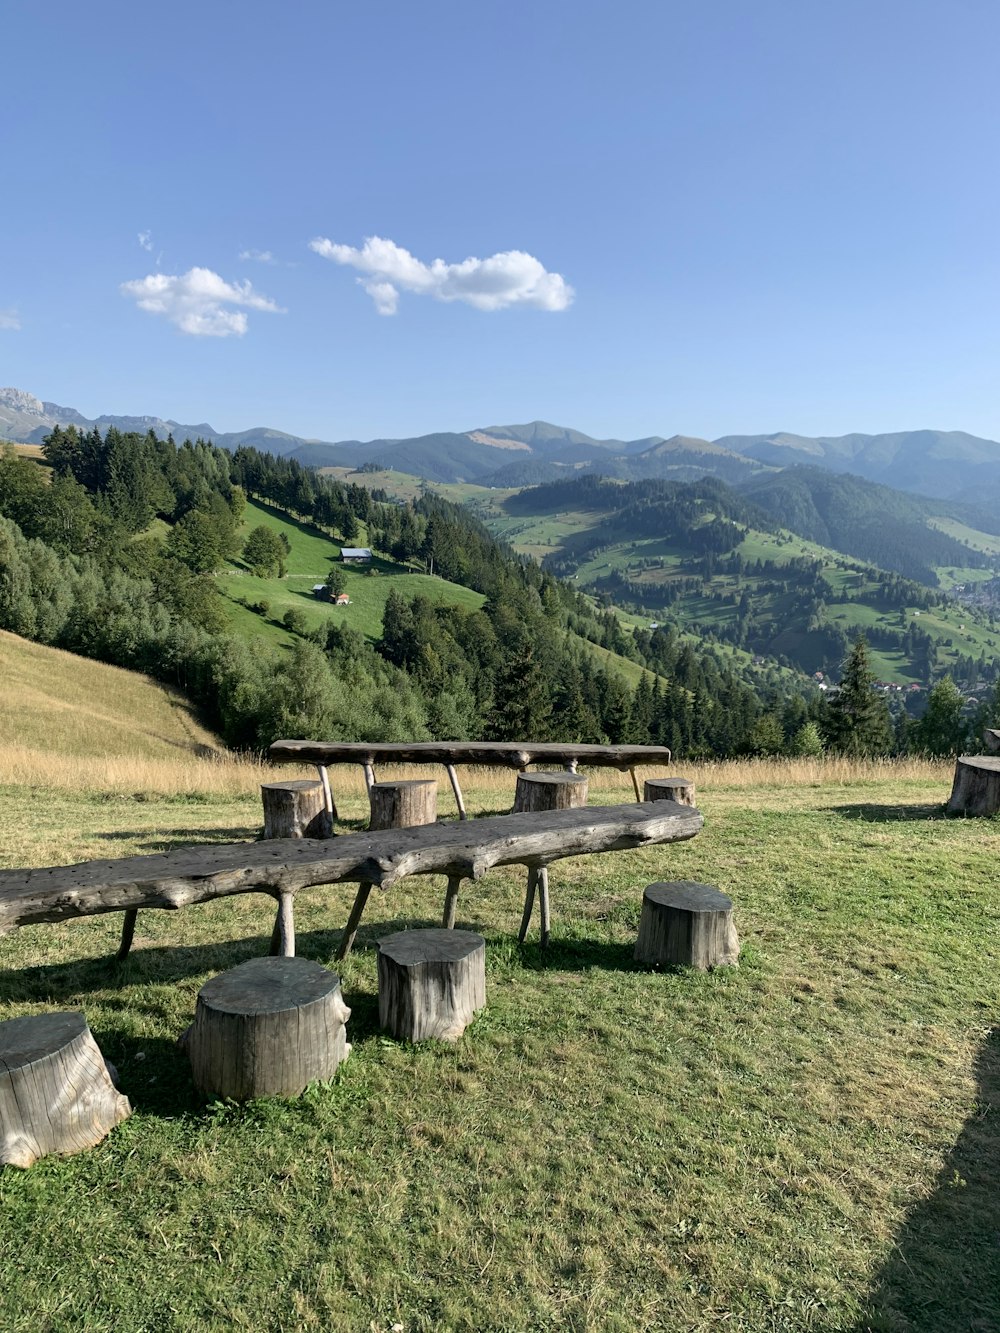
[[21, 401]]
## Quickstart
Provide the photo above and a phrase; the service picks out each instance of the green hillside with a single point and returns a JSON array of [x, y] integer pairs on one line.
[[311, 556], [766, 591]]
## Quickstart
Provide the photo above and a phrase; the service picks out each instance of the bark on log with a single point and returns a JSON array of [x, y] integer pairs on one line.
[[492, 754], [991, 738], [403, 804], [976, 789], [549, 791], [687, 924], [57, 1093], [430, 983], [680, 790], [171, 880], [267, 1028], [296, 810]]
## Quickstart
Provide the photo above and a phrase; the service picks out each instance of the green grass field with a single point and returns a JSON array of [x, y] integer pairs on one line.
[[811, 1141], [978, 541], [312, 556], [785, 1146]]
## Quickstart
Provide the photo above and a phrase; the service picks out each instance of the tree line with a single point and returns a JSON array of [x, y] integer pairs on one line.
[[112, 558]]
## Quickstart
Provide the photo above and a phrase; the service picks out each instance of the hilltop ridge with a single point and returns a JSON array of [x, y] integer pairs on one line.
[[942, 464]]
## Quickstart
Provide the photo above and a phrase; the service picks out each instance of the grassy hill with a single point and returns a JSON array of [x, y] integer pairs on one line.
[[59, 703], [368, 587], [664, 574], [71, 724], [311, 557], [809, 1142]]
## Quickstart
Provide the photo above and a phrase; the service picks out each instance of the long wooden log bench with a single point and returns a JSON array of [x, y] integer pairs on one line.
[[282, 867], [517, 755]]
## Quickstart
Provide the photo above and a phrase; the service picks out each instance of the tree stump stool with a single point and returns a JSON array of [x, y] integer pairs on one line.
[[976, 789], [680, 790], [296, 809], [267, 1028], [549, 791], [430, 983], [57, 1092], [687, 924], [991, 739], [403, 804], [536, 792]]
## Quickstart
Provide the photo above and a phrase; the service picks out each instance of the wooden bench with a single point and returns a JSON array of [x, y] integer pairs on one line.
[[282, 867], [517, 755]]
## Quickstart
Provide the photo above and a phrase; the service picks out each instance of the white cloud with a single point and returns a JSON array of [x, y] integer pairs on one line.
[[258, 256], [510, 278], [145, 239], [198, 301], [10, 319]]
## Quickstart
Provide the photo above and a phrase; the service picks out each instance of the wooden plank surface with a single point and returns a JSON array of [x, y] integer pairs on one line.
[[490, 754], [461, 850]]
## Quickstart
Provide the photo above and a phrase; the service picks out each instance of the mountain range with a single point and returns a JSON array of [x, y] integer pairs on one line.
[[940, 464]]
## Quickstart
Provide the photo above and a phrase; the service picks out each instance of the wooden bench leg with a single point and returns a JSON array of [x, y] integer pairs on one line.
[[285, 925], [451, 902], [324, 777], [128, 932], [354, 920], [453, 776], [635, 785], [529, 903], [538, 879], [543, 903], [369, 778], [283, 932]]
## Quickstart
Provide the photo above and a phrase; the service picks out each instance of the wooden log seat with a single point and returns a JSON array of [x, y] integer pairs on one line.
[[267, 1028], [57, 1092], [430, 983], [296, 809], [680, 790], [976, 789], [403, 804], [686, 924], [550, 791], [284, 867], [991, 739]]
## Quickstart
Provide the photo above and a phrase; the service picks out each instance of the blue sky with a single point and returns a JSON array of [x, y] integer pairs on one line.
[[711, 217]]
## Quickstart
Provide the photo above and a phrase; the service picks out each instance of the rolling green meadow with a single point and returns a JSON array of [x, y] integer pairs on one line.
[[810, 1141], [853, 597], [312, 553]]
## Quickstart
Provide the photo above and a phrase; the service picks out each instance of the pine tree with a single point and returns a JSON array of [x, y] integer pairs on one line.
[[857, 720], [942, 729], [522, 704]]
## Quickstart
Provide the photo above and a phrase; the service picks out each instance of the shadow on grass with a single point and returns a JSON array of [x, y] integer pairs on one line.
[[166, 839], [887, 814], [579, 955], [944, 1272], [123, 986]]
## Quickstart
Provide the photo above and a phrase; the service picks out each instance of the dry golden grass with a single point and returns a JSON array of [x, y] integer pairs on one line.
[[130, 775], [25, 450], [68, 705]]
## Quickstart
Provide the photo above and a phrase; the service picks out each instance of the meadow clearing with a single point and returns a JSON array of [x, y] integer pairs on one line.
[[811, 1141]]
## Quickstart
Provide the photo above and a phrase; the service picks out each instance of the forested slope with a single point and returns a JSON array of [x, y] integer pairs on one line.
[[113, 555]]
